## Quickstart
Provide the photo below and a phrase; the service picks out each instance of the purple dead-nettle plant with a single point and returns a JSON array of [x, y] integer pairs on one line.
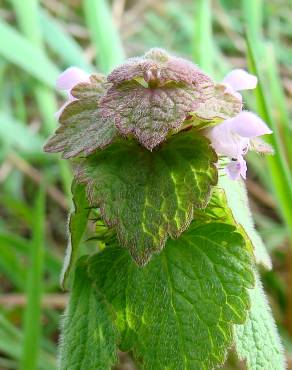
[[158, 151]]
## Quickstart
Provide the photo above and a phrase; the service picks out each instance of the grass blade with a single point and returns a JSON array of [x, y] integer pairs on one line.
[[104, 35], [32, 315], [253, 16], [11, 266], [14, 47], [25, 139], [202, 43], [281, 177], [61, 43], [278, 100], [28, 17], [11, 341]]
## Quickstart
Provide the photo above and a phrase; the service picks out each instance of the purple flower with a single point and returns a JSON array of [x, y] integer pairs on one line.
[[233, 138], [67, 80], [238, 80], [237, 168]]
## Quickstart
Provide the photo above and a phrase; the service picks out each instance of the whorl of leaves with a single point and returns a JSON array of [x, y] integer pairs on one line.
[[147, 97]]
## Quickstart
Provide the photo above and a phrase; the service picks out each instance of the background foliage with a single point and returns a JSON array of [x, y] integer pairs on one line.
[[40, 39]]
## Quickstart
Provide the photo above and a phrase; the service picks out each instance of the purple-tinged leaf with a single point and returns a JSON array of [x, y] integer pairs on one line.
[[220, 104], [163, 67], [149, 113], [83, 129]]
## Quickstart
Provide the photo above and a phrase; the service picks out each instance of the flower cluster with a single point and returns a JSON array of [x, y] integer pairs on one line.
[[235, 136]]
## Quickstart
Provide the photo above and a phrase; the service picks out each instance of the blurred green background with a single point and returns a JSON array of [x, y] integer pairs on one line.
[[38, 39]]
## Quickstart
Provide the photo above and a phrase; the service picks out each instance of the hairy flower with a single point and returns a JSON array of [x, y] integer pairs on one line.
[[235, 136], [238, 80], [66, 81], [237, 168]]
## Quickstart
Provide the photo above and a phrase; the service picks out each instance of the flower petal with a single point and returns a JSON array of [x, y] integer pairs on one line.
[[239, 79], [229, 89], [235, 169], [71, 77], [248, 124], [226, 142]]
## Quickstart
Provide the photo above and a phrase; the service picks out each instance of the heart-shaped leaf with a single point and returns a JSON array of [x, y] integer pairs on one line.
[[148, 196], [178, 312]]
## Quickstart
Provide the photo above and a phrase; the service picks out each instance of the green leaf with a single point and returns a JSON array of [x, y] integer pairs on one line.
[[218, 210], [149, 113], [238, 202], [77, 226], [88, 336], [148, 196], [178, 311], [257, 340], [82, 129]]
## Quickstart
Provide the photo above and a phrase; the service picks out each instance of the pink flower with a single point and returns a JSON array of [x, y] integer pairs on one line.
[[67, 80], [239, 79], [237, 168], [233, 137]]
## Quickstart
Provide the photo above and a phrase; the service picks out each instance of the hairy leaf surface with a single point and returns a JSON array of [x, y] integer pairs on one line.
[[163, 67], [89, 336], [148, 196], [177, 312], [149, 113], [82, 128], [218, 210], [153, 95], [219, 105], [257, 340], [77, 225], [238, 202]]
